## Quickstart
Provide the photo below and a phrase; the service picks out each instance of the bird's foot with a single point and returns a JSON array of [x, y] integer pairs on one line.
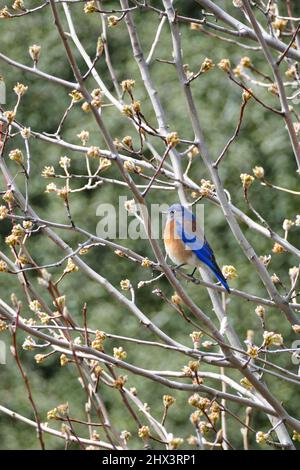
[[192, 275]]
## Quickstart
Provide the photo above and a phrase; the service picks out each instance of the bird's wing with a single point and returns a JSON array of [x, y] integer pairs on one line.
[[196, 242]]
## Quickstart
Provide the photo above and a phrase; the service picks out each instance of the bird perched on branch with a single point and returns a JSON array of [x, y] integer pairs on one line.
[[185, 243]]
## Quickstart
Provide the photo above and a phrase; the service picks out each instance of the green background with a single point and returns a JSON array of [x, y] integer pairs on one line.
[[263, 141]]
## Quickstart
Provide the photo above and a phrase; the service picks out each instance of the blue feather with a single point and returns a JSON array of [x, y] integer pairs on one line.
[[211, 263], [204, 254]]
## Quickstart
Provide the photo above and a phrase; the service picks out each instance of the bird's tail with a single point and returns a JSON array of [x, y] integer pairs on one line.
[[219, 275]]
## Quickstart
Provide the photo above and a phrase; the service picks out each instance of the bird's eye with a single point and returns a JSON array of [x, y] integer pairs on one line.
[[172, 212]]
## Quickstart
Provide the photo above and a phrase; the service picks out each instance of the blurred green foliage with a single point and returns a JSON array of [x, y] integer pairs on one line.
[[263, 140]]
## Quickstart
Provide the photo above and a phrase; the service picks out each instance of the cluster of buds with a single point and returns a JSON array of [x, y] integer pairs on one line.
[[9, 115], [225, 65], [71, 267], [191, 370], [3, 266], [279, 25], [291, 72], [196, 338], [65, 162], [272, 339], [296, 436], [35, 52], [273, 89], [52, 414], [275, 279], [206, 187], [247, 94], [44, 318], [8, 196], [125, 284], [127, 110], [131, 167], [229, 272], [29, 344], [97, 343], [120, 382], [3, 326], [196, 27], [63, 193], [168, 401], [104, 163], [39, 358], [252, 351], [96, 95], [16, 235], [93, 152], [261, 437], [176, 299], [90, 7], [172, 139], [246, 180], [84, 136], [125, 435], [16, 155], [48, 172], [287, 225], [189, 75], [296, 329], [259, 172], [3, 212], [18, 5], [63, 360], [194, 151], [112, 21], [4, 13], [127, 141], [86, 107], [130, 206], [237, 71], [265, 259], [174, 442], [128, 85], [35, 306], [119, 353], [146, 263], [201, 403], [246, 383], [277, 248], [59, 412], [246, 62], [97, 370], [144, 432], [20, 89], [51, 188], [206, 65], [260, 311], [26, 133]]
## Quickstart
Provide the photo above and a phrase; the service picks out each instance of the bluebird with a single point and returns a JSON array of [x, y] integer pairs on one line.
[[185, 243]]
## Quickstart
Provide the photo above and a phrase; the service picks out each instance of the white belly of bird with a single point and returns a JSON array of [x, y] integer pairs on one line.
[[190, 259]]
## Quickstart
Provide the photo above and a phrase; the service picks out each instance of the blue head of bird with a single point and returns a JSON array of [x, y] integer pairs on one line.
[[178, 212]]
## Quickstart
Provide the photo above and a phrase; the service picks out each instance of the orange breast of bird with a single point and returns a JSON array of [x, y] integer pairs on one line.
[[175, 248]]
